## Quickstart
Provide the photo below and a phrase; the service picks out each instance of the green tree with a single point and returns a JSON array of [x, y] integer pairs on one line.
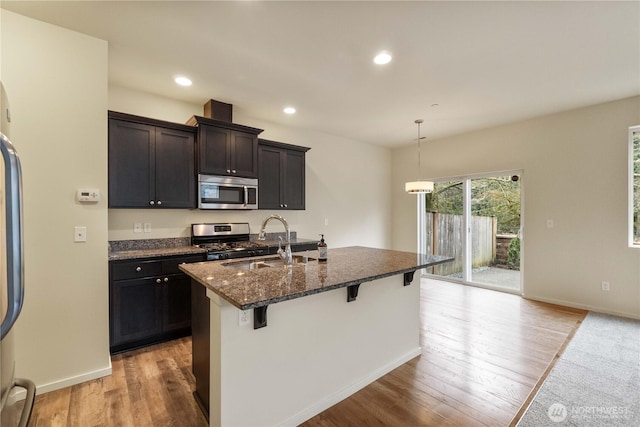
[[495, 196]]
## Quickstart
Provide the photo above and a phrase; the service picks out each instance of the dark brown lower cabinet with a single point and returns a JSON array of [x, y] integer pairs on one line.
[[200, 341], [149, 301]]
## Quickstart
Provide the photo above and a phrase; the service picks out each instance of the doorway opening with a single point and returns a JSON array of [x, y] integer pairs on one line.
[[477, 220]]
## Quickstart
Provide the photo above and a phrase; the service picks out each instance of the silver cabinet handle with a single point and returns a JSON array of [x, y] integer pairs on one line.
[[159, 202], [166, 279], [13, 230], [228, 170], [138, 269], [233, 171], [152, 203], [158, 281], [285, 205]]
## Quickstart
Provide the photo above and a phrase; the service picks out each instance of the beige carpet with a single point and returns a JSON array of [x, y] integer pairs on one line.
[[596, 381]]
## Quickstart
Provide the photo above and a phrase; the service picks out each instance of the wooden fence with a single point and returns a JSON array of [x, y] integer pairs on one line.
[[445, 234]]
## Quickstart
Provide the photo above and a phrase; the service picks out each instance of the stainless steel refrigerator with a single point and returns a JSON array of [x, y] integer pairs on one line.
[[12, 411]]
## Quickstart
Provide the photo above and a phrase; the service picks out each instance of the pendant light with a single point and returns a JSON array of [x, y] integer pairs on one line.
[[419, 186]]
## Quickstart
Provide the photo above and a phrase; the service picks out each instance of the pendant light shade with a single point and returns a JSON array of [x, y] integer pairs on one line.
[[419, 186]]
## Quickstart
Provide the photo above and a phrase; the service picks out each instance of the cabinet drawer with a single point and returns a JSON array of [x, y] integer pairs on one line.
[[170, 266], [135, 269]]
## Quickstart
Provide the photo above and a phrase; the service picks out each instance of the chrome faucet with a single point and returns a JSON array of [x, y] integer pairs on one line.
[[285, 254]]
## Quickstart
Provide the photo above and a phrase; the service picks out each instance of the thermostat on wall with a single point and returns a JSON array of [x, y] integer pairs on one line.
[[90, 195]]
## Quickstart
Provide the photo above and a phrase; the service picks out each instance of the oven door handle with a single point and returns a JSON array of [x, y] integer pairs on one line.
[[246, 196]]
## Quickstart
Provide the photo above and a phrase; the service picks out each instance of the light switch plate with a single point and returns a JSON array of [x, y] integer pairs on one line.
[[80, 234]]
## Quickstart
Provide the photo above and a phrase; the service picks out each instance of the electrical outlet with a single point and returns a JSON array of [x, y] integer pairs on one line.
[[137, 227], [606, 286], [549, 223], [80, 234], [326, 222], [147, 227], [244, 317]]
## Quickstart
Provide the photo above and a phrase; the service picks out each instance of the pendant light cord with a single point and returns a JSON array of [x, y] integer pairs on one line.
[[418, 122]]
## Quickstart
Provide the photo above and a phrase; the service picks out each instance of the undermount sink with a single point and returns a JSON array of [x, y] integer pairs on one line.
[[256, 264]]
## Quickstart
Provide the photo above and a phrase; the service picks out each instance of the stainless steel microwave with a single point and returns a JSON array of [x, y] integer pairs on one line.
[[227, 192]]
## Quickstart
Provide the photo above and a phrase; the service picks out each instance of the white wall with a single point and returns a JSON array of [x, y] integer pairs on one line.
[[575, 172], [309, 361], [347, 182], [57, 86]]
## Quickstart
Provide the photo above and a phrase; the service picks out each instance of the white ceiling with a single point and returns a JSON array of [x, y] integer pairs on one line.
[[484, 63]]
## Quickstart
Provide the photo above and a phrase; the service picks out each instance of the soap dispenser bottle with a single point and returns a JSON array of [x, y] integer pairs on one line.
[[322, 250]]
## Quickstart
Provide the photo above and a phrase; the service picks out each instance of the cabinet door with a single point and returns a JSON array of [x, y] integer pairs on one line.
[[200, 343], [135, 310], [293, 180], [131, 165], [270, 178], [244, 154], [214, 150], [175, 169], [176, 296]]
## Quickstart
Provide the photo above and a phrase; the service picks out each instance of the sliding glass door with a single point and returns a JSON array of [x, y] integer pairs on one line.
[[443, 226], [477, 221], [495, 231]]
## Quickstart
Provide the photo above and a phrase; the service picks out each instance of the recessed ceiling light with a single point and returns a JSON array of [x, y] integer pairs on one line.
[[289, 110], [382, 58], [183, 81]]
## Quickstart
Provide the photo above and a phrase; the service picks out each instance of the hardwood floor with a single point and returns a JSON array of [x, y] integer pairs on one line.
[[148, 387], [483, 355]]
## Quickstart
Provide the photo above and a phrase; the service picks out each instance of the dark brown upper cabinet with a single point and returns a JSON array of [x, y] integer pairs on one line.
[[151, 163], [226, 148], [281, 178]]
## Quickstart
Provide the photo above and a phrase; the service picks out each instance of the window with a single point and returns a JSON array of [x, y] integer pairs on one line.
[[634, 186]]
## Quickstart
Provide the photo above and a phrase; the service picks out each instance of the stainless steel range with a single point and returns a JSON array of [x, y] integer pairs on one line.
[[226, 240]]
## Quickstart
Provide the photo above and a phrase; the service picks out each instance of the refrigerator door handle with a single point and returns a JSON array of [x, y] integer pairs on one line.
[[28, 401], [13, 203]]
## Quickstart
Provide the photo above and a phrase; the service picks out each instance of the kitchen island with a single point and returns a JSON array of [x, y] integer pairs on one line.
[[319, 343]]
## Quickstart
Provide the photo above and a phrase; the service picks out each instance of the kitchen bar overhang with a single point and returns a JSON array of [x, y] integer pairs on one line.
[[348, 267]]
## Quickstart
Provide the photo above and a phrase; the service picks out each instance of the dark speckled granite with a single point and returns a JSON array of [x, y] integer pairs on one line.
[[150, 248], [247, 289]]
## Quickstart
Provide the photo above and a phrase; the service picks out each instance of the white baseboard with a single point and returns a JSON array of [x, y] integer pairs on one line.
[[67, 382], [340, 395], [583, 306]]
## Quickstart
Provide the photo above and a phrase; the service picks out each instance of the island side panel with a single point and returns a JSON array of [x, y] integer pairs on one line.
[[315, 351]]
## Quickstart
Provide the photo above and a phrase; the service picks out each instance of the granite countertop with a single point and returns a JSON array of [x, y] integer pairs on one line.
[[248, 289], [152, 248]]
